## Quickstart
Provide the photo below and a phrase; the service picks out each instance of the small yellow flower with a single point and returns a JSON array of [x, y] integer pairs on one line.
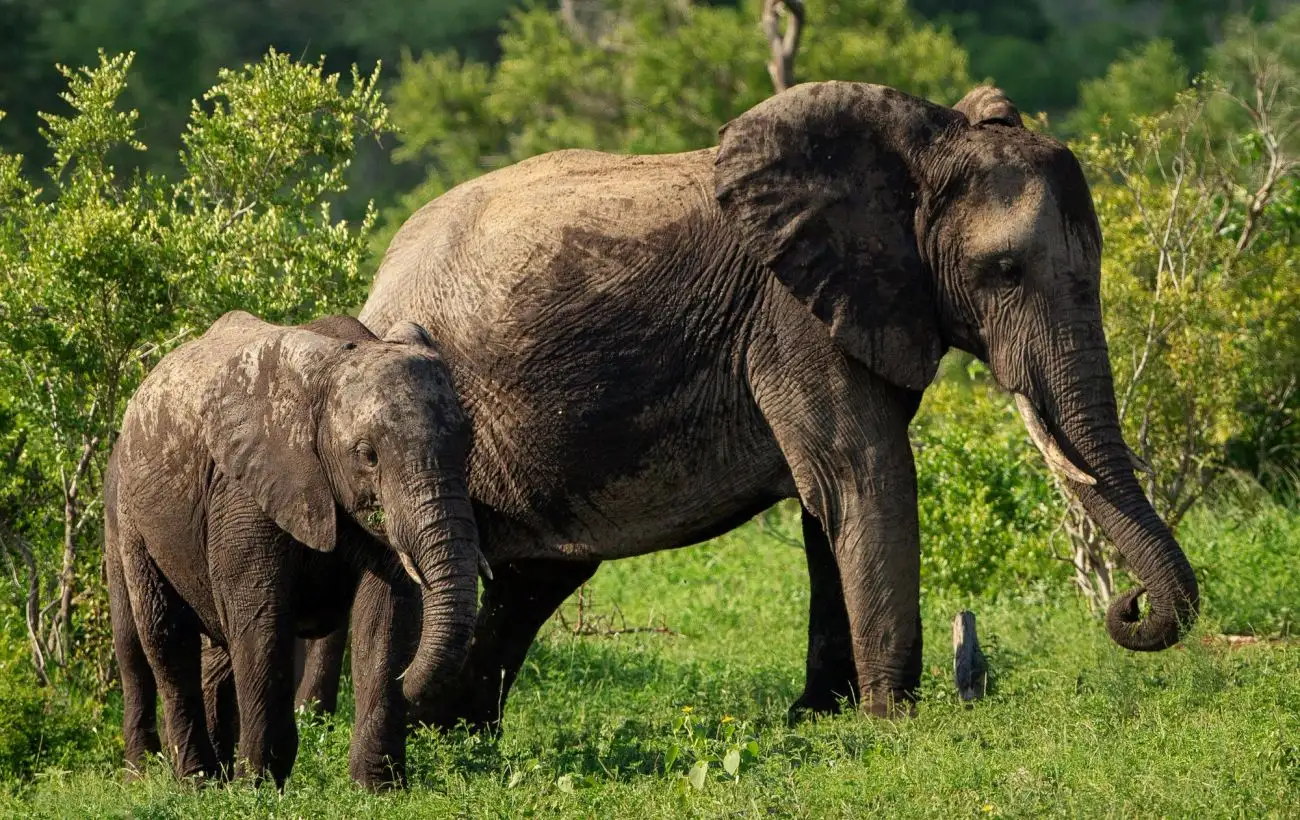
[[988, 808], [728, 719], [686, 710]]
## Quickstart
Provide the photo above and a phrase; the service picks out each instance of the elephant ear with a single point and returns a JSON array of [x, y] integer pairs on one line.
[[986, 104], [260, 426], [816, 181]]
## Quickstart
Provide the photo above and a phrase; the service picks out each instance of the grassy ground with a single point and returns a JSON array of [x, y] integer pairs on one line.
[[612, 726]]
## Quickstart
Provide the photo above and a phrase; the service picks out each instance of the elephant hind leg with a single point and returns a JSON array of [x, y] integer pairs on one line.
[[139, 690], [832, 676], [169, 633]]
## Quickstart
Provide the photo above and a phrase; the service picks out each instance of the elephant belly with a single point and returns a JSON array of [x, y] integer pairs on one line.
[[639, 472]]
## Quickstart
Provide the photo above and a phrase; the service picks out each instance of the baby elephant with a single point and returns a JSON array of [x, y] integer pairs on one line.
[[265, 478]]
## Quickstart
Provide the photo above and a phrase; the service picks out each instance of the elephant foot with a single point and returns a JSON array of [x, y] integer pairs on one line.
[[383, 775], [891, 704]]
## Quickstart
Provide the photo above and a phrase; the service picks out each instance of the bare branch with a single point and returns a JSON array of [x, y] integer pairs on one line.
[[32, 607], [67, 581], [784, 46], [604, 625]]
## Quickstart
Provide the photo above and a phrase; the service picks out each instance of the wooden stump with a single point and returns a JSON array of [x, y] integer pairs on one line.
[[969, 666]]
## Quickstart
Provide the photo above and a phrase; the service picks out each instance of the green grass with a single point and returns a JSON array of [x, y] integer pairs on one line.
[[1074, 726]]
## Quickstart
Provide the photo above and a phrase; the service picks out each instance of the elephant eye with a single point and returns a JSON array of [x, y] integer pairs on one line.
[[1005, 270], [366, 453]]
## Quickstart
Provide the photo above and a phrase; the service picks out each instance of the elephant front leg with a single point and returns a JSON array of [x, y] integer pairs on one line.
[[832, 676], [384, 641], [843, 432], [254, 566], [261, 654], [877, 552]]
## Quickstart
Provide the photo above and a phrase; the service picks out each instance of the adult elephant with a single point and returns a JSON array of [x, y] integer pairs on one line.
[[655, 348]]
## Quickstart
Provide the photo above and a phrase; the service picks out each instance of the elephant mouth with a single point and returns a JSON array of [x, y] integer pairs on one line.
[[376, 521]]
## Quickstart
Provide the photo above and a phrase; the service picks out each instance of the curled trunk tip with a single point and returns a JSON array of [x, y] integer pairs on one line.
[[1162, 627]]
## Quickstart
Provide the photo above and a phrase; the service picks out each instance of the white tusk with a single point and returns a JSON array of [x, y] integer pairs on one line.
[[1047, 445], [412, 570], [1140, 465], [484, 569]]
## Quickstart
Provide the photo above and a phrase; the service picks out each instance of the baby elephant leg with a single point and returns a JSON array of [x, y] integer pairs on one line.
[[169, 634]]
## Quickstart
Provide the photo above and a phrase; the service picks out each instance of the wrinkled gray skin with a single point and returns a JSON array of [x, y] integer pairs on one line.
[[264, 478], [655, 348]]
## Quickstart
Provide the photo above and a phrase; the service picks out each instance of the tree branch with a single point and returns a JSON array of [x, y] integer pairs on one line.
[[32, 606], [66, 577], [784, 46]]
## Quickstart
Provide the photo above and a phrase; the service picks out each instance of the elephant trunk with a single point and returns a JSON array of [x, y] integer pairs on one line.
[[1083, 430], [437, 541]]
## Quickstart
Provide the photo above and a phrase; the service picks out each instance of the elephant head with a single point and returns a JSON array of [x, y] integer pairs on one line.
[[908, 227], [308, 425]]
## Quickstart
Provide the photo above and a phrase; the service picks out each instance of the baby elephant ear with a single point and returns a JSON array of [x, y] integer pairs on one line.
[[409, 333], [261, 430], [987, 104]]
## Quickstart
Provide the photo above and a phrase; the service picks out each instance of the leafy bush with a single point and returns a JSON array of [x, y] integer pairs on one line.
[[40, 728], [986, 508]]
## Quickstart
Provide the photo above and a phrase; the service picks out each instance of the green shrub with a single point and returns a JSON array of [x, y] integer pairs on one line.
[[39, 728], [986, 508], [1244, 550]]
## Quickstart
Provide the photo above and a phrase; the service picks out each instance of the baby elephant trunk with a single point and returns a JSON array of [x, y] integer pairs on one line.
[[442, 556]]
